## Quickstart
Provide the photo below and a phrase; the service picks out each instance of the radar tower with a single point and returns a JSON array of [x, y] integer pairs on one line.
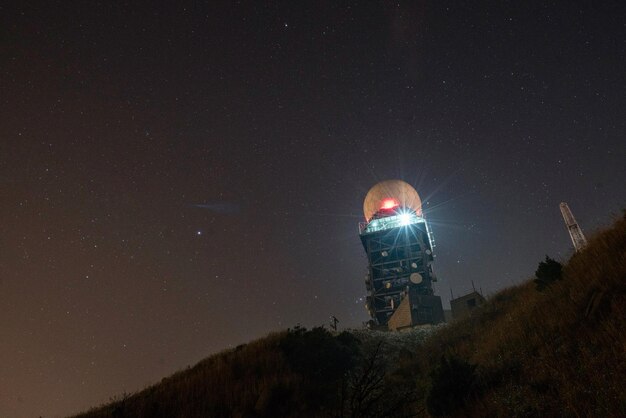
[[399, 248]]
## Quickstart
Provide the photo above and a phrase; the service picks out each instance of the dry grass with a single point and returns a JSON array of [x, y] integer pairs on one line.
[[559, 352], [231, 383]]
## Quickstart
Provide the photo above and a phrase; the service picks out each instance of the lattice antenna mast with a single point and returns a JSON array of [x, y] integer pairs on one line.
[[578, 239]]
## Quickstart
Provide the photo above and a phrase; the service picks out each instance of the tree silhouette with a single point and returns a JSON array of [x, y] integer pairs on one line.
[[547, 273]]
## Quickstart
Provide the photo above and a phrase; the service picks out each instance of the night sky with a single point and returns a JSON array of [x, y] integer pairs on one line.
[[177, 178]]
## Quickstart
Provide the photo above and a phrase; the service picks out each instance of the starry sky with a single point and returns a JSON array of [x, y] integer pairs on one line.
[[177, 178]]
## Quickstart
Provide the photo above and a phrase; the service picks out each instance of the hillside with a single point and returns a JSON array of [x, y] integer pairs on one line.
[[556, 352]]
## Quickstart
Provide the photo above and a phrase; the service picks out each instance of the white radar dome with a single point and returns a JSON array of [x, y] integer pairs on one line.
[[388, 194]]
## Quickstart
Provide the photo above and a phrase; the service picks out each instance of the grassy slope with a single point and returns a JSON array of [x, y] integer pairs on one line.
[[557, 352], [296, 373], [560, 352]]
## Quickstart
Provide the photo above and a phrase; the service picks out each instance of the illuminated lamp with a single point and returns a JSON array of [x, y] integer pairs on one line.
[[388, 204], [405, 218]]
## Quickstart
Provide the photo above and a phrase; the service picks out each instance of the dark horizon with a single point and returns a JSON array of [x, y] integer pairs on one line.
[[181, 178]]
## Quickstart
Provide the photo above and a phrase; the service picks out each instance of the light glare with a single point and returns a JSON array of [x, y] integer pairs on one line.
[[405, 219], [388, 204]]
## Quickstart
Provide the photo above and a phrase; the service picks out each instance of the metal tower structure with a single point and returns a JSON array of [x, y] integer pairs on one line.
[[578, 239], [399, 249]]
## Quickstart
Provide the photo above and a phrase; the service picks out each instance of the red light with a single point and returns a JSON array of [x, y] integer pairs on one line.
[[388, 204]]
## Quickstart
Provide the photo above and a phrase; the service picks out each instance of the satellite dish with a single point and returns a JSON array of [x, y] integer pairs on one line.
[[415, 278], [428, 252], [398, 191], [414, 265], [384, 253]]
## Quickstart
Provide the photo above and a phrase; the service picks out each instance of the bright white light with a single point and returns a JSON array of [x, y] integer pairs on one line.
[[405, 219]]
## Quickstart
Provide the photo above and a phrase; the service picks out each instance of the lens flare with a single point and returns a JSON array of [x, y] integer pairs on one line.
[[388, 204]]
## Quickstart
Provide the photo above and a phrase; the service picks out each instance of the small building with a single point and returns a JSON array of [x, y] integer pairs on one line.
[[464, 305], [416, 309]]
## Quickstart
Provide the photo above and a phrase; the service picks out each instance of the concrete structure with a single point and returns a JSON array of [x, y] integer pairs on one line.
[[399, 248], [416, 309], [464, 305]]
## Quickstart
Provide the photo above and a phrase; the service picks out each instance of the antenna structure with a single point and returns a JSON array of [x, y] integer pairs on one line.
[[578, 239], [333, 322]]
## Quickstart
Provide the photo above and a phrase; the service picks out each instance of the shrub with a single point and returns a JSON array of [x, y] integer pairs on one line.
[[548, 272], [322, 360], [453, 381]]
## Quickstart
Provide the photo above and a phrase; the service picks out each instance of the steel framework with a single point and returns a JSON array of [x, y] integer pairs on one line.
[[575, 233], [400, 258]]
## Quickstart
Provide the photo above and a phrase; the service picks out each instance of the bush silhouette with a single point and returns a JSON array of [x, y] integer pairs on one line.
[[547, 273], [322, 360], [453, 381]]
